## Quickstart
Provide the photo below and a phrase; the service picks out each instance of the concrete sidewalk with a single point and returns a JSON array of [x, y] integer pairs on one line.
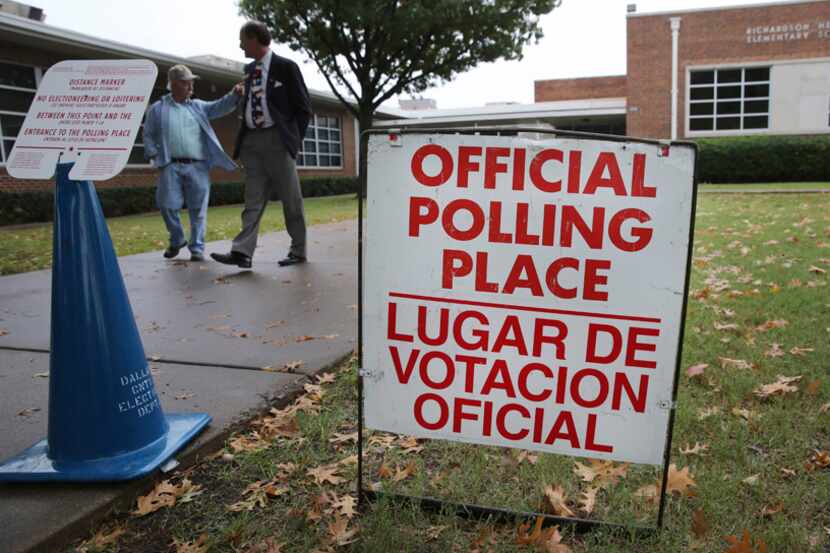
[[209, 331]]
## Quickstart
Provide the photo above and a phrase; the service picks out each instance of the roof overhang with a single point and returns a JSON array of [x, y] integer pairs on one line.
[[34, 34], [542, 112]]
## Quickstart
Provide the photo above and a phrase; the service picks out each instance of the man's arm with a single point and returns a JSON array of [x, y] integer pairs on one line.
[[223, 106], [298, 95], [151, 133]]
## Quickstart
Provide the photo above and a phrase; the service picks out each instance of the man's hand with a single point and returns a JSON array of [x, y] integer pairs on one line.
[[239, 88]]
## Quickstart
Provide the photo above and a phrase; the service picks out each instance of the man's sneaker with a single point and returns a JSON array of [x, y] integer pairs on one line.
[[233, 258], [196, 256], [173, 251]]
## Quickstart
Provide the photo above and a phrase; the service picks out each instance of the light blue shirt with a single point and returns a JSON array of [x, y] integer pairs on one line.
[[157, 125], [185, 135]]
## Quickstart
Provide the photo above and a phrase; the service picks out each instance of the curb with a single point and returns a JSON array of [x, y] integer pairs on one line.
[[191, 456]]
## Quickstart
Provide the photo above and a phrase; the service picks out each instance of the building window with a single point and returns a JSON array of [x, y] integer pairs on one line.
[[18, 84], [322, 146], [729, 99]]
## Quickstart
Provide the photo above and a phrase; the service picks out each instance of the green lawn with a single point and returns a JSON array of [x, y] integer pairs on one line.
[[765, 186], [759, 308], [29, 248]]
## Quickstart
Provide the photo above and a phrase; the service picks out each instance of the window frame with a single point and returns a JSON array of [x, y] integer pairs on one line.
[[317, 141], [742, 99], [38, 73]]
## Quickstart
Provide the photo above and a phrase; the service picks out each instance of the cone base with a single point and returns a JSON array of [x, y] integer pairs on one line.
[[33, 465]]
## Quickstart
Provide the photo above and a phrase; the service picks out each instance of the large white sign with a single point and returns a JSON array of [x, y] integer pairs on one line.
[[87, 112], [526, 293]]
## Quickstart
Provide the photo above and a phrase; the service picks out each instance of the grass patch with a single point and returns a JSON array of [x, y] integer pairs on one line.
[[759, 307], [29, 248], [765, 186]]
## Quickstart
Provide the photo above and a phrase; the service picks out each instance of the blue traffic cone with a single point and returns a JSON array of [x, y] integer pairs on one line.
[[105, 419]]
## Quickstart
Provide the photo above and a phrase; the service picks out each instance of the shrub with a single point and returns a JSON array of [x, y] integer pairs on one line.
[[37, 206], [755, 159]]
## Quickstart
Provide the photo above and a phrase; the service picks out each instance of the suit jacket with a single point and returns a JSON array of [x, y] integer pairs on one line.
[[156, 126], [288, 103]]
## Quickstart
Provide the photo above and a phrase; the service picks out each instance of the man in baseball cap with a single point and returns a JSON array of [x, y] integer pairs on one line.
[[179, 140], [180, 72]]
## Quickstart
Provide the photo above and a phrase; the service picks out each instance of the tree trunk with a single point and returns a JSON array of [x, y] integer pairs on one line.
[[365, 122]]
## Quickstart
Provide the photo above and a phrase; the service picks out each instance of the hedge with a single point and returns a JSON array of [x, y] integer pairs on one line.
[[37, 206], [756, 159]]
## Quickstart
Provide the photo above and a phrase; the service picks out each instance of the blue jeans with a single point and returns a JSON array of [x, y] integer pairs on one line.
[[181, 183]]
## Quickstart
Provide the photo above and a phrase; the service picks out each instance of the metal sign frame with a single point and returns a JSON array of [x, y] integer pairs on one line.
[[468, 510]]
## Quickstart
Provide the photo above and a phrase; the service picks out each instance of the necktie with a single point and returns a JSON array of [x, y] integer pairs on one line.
[[257, 96]]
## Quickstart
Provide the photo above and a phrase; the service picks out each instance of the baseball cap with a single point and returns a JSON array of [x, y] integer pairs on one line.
[[180, 73]]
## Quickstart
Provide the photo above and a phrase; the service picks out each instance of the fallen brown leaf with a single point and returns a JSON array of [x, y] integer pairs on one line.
[[588, 500], [602, 473], [745, 414], [434, 531], [699, 524], [199, 545], [679, 481], [774, 350], [326, 473], [779, 387], [696, 370], [751, 480], [547, 540], [727, 363], [812, 387], [163, 495], [819, 460], [338, 438], [698, 449], [769, 510], [346, 506], [744, 545], [346, 461], [557, 502], [404, 473], [248, 443], [101, 540], [339, 532], [384, 471], [410, 444], [258, 494], [327, 378], [769, 325]]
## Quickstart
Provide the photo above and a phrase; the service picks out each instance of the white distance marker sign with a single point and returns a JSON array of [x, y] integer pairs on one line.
[[87, 112], [526, 293]]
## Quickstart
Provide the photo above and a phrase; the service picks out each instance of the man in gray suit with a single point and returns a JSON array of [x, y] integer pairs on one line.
[[277, 111]]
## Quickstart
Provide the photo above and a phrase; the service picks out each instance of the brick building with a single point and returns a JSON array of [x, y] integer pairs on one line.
[[28, 47], [758, 69]]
